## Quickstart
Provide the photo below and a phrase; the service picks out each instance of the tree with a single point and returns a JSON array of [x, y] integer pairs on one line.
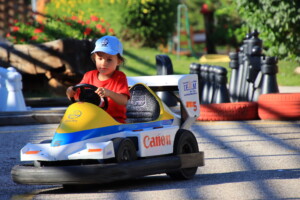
[[278, 21]]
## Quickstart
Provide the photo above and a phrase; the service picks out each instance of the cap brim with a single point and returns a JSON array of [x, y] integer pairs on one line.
[[105, 50]]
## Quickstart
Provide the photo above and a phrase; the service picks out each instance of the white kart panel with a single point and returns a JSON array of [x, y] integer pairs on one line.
[[100, 150], [36, 152], [153, 142], [46, 152], [188, 92], [155, 81]]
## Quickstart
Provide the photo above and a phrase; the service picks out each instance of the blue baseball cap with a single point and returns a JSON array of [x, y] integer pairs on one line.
[[108, 44]]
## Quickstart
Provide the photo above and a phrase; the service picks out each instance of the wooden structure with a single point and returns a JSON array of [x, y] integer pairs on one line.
[[63, 62], [12, 10]]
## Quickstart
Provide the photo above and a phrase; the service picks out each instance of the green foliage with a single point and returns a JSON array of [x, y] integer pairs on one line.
[[148, 22], [145, 22], [227, 23], [226, 20], [277, 21], [194, 10]]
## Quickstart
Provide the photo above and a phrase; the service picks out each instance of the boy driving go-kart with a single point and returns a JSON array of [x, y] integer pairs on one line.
[[90, 146]]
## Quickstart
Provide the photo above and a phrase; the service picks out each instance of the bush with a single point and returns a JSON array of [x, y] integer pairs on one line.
[[277, 21], [149, 22]]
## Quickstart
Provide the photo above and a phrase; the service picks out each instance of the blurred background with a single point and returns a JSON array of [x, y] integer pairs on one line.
[[49, 41]]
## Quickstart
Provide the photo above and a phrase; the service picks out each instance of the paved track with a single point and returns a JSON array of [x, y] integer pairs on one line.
[[244, 160]]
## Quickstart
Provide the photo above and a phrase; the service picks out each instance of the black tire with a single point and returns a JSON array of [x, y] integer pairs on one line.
[[185, 142], [76, 187], [124, 150]]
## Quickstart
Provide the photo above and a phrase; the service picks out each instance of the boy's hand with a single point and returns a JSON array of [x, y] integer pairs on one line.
[[70, 92], [120, 99], [102, 92]]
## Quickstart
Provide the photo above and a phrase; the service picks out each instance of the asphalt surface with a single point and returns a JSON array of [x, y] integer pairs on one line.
[[243, 160]]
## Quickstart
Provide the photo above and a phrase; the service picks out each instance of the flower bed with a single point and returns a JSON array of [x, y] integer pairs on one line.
[[58, 28]]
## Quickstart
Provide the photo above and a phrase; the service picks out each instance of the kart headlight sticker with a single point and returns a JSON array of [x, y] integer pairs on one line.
[[75, 114]]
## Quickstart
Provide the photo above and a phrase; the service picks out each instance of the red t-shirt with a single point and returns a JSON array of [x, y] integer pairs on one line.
[[117, 83]]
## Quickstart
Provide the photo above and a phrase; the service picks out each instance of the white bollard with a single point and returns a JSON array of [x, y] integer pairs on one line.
[[11, 94], [3, 90]]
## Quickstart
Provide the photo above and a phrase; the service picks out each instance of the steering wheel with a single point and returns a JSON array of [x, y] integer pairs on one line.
[[87, 94]]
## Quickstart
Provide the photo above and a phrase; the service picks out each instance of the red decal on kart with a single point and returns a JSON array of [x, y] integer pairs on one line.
[[191, 104], [156, 141]]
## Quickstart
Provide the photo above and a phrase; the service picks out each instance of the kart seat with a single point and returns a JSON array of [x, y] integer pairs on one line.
[[142, 105]]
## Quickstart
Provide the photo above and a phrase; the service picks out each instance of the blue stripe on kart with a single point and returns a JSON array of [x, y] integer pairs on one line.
[[67, 138]]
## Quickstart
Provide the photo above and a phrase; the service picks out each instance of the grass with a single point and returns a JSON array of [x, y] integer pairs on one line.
[[141, 62]]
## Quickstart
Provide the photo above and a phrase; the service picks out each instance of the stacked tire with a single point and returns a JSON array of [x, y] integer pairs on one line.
[[228, 111], [279, 106]]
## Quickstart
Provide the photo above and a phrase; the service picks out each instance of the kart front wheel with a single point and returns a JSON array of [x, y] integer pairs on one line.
[[185, 142], [124, 150]]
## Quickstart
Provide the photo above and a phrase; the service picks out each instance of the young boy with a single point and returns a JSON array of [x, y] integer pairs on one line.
[[111, 82]]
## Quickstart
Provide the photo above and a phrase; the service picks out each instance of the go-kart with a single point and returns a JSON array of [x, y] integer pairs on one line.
[[91, 147]]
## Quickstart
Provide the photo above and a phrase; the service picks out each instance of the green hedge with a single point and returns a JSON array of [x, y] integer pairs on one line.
[[149, 22], [277, 21]]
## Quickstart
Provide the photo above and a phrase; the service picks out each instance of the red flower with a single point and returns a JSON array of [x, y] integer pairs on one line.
[[205, 9], [80, 22], [99, 26], [8, 35], [88, 21], [39, 30], [34, 37], [111, 31], [87, 31], [15, 28], [94, 18], [103, 31], [73, 17], [69, 23]]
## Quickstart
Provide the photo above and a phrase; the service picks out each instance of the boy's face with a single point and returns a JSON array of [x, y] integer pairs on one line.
[[106, 64]]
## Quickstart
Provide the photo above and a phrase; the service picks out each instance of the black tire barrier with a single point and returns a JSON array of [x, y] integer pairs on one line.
[[281, 106], [228, 111], [212, 83], [269, 69], [164, 66], [253, 73], [234, 65]]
